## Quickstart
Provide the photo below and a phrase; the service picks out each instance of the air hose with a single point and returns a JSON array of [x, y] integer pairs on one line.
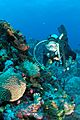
[[34, 54]]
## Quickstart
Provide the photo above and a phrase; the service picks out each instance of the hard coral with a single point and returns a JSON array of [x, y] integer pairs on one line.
[[31, 69], [13, 85]]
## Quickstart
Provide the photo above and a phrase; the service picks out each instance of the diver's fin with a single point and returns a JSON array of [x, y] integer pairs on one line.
[[62, 29]]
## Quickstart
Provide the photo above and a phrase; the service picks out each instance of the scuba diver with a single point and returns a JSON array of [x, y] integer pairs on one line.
[[57, 49]]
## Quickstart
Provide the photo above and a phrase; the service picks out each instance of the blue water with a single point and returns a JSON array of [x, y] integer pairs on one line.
[[39, 18]]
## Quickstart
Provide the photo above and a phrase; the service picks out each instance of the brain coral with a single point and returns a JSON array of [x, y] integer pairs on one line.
[[12, 85]]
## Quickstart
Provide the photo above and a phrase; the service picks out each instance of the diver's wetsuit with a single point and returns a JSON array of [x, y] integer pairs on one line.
[[48, 55]]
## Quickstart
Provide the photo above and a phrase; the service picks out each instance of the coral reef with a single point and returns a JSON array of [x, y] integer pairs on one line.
[[28, 92]]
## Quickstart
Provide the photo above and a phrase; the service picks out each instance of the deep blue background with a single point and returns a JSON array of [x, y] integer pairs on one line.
[[39, 18]]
